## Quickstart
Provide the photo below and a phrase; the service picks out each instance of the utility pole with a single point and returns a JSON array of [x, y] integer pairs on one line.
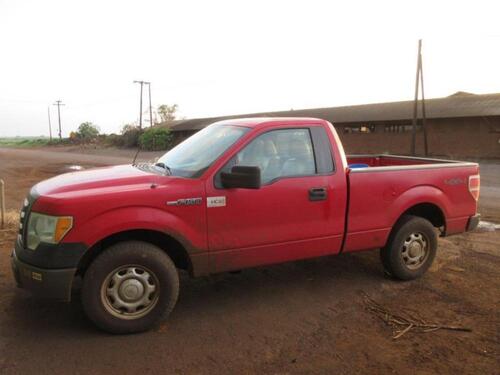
[[50, 125], [150, 110], [424, 125], [58, 103], [142, 83], [415, 103], [419, 80]]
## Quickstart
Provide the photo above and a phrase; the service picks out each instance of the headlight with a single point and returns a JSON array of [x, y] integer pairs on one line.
[[46, 228]]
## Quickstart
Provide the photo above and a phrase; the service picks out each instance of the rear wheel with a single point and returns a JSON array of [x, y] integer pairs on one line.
[[130, 287], [411, 248]]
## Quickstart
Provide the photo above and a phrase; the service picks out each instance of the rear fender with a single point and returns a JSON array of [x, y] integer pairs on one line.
[[419, 195]]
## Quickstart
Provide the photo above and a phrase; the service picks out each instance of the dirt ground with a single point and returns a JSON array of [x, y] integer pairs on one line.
[[301, 317]]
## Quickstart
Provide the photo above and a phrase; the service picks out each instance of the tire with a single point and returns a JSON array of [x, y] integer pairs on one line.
[[411, 248], [130, 287]]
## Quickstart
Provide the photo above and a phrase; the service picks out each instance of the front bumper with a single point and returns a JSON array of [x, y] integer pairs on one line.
[[42, 282], [473, 222], [49, 270]]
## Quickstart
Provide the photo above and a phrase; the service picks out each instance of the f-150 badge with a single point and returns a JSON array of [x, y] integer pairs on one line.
[[454, 181], [185, 202]]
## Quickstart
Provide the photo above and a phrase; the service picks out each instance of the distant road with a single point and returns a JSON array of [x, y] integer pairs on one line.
[[22, 168], [76, 154]]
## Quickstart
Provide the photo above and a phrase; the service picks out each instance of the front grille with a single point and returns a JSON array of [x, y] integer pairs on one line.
[[24, 217]]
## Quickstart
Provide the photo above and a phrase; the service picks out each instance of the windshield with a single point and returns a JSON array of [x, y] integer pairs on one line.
[[193, 156]]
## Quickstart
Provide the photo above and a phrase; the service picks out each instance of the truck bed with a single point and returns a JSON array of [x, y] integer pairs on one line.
[[381, 187], [384, 160]]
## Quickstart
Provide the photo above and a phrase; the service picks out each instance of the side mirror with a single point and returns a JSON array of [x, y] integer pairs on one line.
[[241, 177]]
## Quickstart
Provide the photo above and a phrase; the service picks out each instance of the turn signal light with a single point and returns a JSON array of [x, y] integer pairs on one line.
[[64, 224]]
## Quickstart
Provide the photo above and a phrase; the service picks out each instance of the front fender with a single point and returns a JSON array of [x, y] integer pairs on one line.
[[123, 219]]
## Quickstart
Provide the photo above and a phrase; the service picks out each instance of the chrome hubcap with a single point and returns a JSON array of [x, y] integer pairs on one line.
[[415, 250], [130, 292]]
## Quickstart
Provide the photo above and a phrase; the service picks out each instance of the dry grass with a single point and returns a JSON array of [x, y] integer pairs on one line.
[[8, 232], [11, 219]]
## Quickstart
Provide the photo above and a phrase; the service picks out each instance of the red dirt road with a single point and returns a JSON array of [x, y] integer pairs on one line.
[[301, 317]]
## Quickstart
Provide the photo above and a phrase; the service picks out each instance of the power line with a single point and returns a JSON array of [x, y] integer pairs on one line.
[[58, 103]]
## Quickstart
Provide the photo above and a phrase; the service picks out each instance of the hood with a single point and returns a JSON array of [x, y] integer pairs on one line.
[[98, 178]]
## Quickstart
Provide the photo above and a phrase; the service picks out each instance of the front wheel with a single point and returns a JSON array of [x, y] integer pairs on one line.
[[411, 248], [130, 287]]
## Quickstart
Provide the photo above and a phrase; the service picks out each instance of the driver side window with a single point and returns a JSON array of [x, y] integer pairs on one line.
[[278, 153]]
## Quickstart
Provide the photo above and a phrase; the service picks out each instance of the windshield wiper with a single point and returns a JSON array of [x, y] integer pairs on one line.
[[164, 166]]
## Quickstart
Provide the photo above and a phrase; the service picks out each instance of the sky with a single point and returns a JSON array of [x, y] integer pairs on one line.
[[233, 57]]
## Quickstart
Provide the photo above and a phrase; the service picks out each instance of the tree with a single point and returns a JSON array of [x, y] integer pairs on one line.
[[87, 132], [167, 112], [156, 138], [130, 135]]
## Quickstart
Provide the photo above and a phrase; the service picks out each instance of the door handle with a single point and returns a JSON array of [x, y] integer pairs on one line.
[[317, 194]]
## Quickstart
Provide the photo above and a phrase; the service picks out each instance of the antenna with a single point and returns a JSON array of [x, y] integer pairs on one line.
[[136, 154]]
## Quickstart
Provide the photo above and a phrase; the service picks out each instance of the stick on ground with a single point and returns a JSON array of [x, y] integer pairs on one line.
[[404, 322]]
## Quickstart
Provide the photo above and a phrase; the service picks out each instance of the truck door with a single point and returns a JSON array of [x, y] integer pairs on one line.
[[298, 212]]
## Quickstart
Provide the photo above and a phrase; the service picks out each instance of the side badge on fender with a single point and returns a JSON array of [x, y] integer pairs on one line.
[[185, 202], [216, 201]]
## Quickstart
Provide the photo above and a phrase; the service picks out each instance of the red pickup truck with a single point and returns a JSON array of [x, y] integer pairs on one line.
[[240, 193]]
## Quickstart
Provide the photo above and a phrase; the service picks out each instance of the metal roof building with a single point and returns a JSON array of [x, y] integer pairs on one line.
[[460, 125], [457, 105]]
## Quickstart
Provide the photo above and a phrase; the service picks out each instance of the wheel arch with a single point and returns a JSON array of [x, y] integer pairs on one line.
[[170, 245], [429, 211]]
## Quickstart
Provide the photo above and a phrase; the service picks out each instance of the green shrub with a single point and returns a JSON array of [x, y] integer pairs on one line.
[[156, 138], [130, 136], [113, 140]]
